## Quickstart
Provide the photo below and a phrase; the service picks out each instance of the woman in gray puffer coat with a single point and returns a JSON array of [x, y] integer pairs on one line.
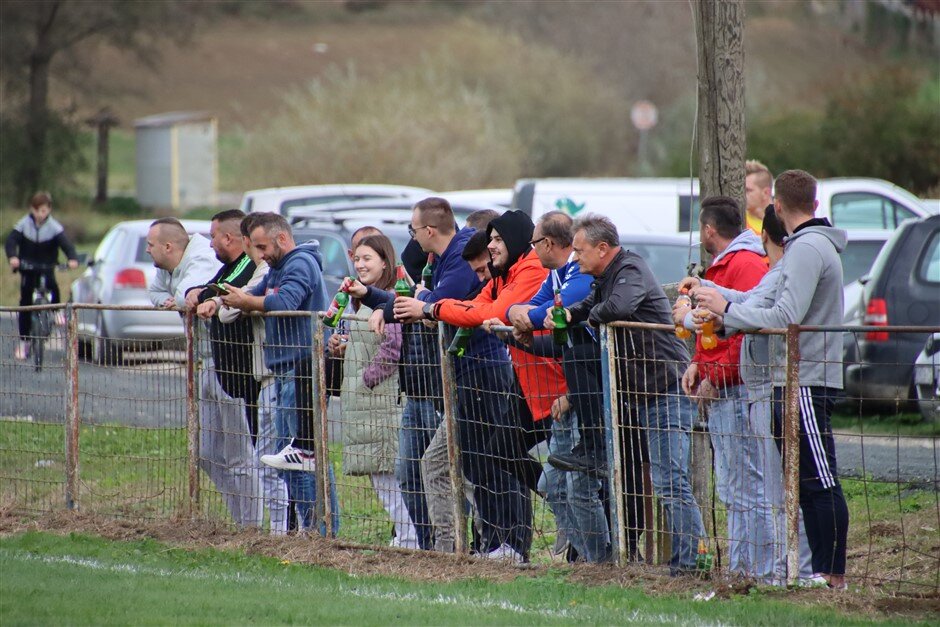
[[371, 408]]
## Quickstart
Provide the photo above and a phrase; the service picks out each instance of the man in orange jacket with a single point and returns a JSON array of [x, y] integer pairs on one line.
[[517, 275]]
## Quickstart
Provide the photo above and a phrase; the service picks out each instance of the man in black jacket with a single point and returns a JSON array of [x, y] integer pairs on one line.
[[652, 362], [226, 452]]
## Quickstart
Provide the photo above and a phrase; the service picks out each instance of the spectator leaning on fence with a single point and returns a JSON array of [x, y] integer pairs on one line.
[[769, 539], [483, 378], [261, 408], [809, 292], [36, 238], [575, 497], [625, 289], [371, 410], [713, 377], [226, 451], [184, 266], [294, 283]]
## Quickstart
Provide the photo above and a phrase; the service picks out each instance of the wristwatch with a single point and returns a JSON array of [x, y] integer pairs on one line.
[[428, 311]]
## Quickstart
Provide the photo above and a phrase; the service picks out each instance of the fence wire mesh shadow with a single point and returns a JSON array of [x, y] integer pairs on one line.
[[430, 450]]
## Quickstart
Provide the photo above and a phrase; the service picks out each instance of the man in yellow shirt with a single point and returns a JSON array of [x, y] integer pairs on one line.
[[758, 192]]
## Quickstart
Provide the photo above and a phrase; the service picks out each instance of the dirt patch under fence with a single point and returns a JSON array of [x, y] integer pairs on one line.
[[435, 567]]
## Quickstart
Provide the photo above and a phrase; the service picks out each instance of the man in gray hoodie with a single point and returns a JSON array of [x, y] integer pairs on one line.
[[809, 292]]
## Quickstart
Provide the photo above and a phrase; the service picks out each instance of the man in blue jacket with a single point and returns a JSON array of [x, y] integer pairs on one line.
[[293, 283]]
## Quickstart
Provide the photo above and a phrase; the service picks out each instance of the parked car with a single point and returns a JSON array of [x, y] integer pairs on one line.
[[282, 199], [667, 255], [118, 274], [334, 233], [927, 379], [901, 289], [670, 205], [394, 208], [857, 258], [501, 197]]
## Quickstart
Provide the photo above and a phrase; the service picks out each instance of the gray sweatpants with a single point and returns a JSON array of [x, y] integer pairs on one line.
[[435, 475]]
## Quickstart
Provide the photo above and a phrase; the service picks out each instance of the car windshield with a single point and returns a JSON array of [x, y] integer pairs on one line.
[[667, 261], [857, 259]]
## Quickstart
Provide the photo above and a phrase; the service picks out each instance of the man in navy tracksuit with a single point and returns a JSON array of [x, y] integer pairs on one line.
[[36, 238]]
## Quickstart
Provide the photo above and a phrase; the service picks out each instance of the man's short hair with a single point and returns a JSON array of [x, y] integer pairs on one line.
[[39, 199], [556, 225], [272, 223], [229, 214], [765, 178], [476, 246], [796, 189], [364, 231], [481, 219], [171, 230], [773, 226], [723, 214], [247, 224], [436, 212], [597, 229]]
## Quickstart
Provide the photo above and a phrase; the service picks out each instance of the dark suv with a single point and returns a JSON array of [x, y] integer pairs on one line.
[[902, 289]]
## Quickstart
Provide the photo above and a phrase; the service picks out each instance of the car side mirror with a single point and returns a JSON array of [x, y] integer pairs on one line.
[[865, 279], [82, 259]]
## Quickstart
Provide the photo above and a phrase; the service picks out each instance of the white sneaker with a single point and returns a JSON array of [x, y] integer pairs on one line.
[[21, 352], [504, 552], [291, 458], [816, 581]]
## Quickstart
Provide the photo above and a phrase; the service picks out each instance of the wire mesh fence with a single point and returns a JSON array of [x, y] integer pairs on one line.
[[603, 448]]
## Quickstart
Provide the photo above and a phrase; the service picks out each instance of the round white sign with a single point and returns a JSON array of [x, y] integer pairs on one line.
[[644, 115]]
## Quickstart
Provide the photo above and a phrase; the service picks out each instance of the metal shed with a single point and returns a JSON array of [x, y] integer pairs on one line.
[[177, 159]]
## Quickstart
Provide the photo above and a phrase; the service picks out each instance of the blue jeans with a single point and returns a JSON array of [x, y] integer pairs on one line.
[[575, 497], [301, 486], [419, 423], [667, 417]]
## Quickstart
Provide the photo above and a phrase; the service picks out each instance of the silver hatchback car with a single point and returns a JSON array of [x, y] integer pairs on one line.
[[119, 274]]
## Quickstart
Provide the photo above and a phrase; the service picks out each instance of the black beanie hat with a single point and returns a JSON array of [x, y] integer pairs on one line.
[[516, 229]]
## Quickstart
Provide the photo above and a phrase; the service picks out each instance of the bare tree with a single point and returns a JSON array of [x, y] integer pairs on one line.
[[40, 39]]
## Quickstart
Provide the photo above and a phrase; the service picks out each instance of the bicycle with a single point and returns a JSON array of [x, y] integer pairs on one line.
[[41, 321]]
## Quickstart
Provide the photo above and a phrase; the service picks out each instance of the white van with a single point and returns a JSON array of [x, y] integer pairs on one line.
[[670, 205], [281, 199]]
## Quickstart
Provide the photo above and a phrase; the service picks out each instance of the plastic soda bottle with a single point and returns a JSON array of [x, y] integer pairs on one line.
[[461, 340], [338, 305], [709, 339], [401, 285], [703, 560], [428, 272], [683, 300], [560, 318]]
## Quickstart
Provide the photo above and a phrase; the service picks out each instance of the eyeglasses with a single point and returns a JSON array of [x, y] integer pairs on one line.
[[412, 230], [536, 241]]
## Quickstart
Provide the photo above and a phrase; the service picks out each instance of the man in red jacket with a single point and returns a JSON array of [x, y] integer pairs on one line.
[[713, 376]]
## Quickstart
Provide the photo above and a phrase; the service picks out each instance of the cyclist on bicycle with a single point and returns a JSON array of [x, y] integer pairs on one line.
[[36, 238]]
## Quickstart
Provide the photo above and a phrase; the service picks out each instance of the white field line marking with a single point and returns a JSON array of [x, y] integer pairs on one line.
[[636, 616]]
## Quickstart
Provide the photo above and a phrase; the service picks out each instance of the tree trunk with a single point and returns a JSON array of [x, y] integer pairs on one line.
[[722, 143], [37, 114]]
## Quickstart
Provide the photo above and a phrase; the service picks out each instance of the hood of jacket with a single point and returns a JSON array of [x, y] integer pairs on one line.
[[516, 229], [746, 241], [311, 248], [821, 226]]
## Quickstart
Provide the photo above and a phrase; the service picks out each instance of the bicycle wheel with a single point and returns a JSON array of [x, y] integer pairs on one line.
[[37, 346]]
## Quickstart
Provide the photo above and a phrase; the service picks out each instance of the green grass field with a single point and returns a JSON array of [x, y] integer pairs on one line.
[[79, 580]]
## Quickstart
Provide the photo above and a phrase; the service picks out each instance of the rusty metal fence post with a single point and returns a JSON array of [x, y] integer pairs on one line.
[[449, 393], [791, 453], [192, 412], [324, 506], [72, 415], [618, 534]]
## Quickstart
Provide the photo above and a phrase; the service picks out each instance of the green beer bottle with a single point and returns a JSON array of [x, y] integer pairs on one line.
[[401, 285], [458, 347], [335, 311], [428, 273], [560, 318]]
